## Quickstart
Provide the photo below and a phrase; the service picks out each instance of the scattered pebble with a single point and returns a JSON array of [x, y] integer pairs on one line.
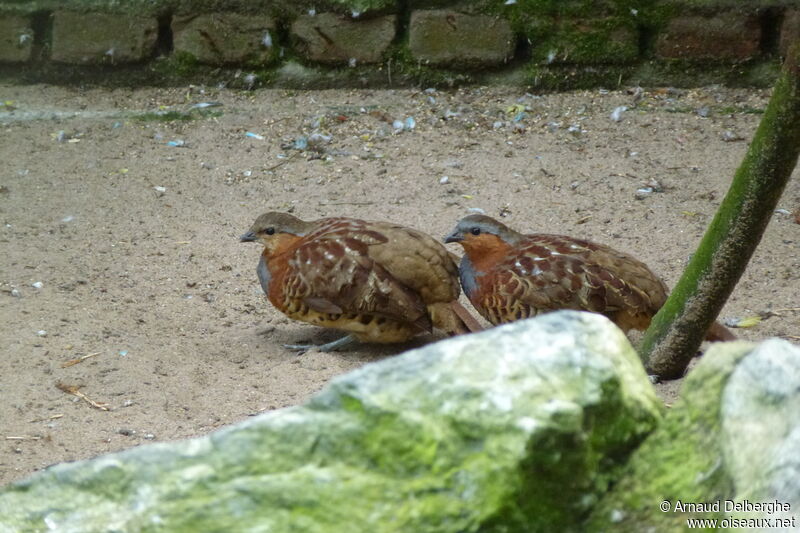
[[476, 210], [149, 436], [37, 284], [68, 218], [729, 136], [616, 115], [783, 211], [444, 179], [15, 293], [204, 105], [42, 333], [407, 124]]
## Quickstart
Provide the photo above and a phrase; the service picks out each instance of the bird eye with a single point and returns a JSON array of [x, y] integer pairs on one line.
[[269, 231], [475, 231]]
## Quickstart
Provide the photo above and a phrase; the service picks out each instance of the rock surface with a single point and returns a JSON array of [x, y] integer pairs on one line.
[[331, 38], [102, 38], [224, 38], [16, 38], [731, 36], [517, 428], [731, 440], [452, 39]]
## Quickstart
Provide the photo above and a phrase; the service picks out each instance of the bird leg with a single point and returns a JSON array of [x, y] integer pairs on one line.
[[327, 347]]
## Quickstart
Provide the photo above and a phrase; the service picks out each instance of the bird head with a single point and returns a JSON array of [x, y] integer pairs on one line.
[[480, 234], [275, 230]]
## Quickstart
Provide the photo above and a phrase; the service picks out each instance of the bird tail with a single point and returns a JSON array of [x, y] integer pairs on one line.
[[719, 333], [453, 318]]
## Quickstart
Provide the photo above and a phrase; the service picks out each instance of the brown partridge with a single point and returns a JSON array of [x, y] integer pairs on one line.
[[509, 276], [378, 281]]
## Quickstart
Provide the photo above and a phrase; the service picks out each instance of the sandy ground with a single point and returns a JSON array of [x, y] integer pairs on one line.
[[118, 246]]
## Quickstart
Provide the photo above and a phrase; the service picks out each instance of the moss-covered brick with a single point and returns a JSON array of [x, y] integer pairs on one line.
[[790, 30], [16, 38], [723, 36], [226, 38], [453, 39], [603, 41], [97, 38], [339, 39]]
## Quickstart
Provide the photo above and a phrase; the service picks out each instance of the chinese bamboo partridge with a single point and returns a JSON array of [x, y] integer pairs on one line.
[[378, 281], [509, 276]]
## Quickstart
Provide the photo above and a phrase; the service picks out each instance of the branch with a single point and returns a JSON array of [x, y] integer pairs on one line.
[[678, 329]]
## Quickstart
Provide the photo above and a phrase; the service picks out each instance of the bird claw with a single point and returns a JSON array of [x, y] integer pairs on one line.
[[301, 348], [327, 347]]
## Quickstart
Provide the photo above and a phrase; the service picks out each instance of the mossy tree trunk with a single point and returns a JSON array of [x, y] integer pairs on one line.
[[680, 326]]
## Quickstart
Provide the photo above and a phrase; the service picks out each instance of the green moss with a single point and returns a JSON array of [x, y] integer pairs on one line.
[[681, 460], [181, 64], [682, 73], [564, 78], [610, 40], [407, 70], [174, 116]]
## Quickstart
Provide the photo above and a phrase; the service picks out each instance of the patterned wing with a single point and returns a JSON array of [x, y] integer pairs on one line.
[[335, 275], [549, 272]]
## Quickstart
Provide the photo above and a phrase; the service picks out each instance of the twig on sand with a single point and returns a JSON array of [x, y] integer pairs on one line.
[[75, 391]]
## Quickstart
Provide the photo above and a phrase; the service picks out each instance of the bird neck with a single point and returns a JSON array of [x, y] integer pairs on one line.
[[485, 251], [280, 244], [274, 264]]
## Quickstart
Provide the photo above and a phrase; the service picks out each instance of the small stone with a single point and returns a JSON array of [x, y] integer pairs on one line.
[[37, 284], [616, 115], [42, 333]]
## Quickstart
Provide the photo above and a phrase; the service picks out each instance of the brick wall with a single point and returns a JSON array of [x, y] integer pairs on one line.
[[565, 43]]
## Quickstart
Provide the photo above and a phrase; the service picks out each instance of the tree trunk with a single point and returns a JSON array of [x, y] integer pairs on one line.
[[677, 331]]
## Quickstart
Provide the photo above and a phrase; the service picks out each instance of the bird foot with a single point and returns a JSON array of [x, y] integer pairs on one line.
[[327, 347]]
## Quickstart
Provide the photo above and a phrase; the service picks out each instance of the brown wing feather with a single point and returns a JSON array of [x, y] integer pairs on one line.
[[338, 274], [549, 272]]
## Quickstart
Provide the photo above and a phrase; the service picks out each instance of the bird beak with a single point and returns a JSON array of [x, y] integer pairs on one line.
[[454, 237], [248, 237]]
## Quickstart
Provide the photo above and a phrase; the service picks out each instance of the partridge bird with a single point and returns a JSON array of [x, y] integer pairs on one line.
[[509, 276], [378, 281]]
